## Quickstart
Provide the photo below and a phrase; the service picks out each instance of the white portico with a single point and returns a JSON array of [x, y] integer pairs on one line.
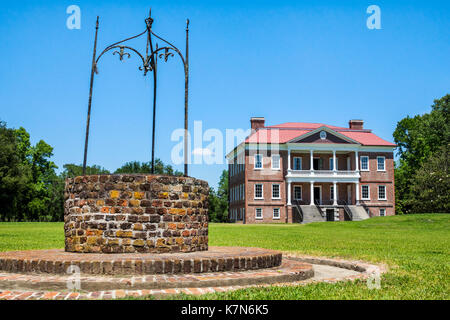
[[317, 171]]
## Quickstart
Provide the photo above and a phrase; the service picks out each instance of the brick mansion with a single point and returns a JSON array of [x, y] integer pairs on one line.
[[305, 172]]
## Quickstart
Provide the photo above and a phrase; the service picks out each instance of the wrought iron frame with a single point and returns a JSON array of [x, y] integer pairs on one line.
[[149, 64]]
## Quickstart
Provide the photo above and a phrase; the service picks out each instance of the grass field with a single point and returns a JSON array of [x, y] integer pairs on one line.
[[415, 247]]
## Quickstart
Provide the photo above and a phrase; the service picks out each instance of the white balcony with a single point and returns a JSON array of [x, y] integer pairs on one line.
[[323, 175]]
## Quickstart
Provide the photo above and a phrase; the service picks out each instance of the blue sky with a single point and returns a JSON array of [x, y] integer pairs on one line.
[[305, 61]]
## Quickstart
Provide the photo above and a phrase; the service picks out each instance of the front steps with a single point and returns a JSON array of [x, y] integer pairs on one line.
[[358, 213], [312, 214]]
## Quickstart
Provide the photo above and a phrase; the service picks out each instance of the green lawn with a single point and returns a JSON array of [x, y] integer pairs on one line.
[[415, 247]]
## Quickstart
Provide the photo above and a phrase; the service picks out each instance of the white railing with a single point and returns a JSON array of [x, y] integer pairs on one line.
[[323, 173]]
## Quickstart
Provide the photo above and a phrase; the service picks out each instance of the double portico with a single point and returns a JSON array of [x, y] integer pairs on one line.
[[321, 168]]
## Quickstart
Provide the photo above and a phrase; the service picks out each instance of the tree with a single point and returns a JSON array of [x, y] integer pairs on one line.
[[27, 177], [14, 175], [431, 184], [419, 138], [74, 170], [218, 201], [146, 167]]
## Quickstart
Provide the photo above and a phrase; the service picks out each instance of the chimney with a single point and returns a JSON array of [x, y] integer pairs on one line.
[[356, 124], [257, 122]]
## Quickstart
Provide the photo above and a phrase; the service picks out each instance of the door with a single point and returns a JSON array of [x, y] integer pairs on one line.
[[330, 214], [349, 194], [317, 164], [318, 195]]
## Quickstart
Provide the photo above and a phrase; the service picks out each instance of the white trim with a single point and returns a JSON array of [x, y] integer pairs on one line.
[[384, 163], [279, 190], [279, 161], [325, 178], [256, 215], [385, 191], [318, 146], [273, 214], [368, 192], [368, 163], [262, 191]]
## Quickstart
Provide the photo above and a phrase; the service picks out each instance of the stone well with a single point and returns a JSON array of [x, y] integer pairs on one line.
[[135, 213]]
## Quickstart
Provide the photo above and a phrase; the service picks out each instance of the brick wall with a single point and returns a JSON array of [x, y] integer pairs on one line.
[[135, 213]]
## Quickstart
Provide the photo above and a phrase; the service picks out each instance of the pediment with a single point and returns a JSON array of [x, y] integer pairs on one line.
[[323, 135]]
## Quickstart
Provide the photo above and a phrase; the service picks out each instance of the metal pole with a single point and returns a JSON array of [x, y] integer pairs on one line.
[[154, 111], [90, 99], [186, 86]]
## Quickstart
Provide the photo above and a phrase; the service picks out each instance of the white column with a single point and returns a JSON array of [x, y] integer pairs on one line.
[[357, 193], [311, 202], [289, 193], [311, 161], [356, 161], [334, 193], [289, 159], [334, 160]]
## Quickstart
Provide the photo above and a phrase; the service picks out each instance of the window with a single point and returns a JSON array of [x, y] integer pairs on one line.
[[332, 193], [381, 163], [275, 191], [381, 192], [297, 163], [258, 213], [258, 161], [323, 135], [331, 164], [382, 212], [276, 162], [297, 192], [365, 192], [365, 163], [258, 191], [276, 213]]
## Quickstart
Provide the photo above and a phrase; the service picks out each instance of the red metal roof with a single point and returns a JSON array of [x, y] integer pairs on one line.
[[285, 132]]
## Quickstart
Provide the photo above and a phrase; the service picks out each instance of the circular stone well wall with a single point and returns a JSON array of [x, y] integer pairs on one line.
[[127, 213]]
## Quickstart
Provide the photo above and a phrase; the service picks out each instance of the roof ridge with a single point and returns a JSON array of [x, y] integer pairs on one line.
[[337, 129]]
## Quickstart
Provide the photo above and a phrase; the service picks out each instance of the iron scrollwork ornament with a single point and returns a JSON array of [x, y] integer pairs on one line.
[[149, 61]]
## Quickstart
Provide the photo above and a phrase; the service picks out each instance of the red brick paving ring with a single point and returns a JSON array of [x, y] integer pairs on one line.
[[293, 272], [289, 271], [216, 259]]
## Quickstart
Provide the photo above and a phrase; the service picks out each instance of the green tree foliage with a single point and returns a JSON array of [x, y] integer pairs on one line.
[[146, 167], [422, 140], [74, 170], [431, 185], [27, 177], [218, 201], [14, 175]]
